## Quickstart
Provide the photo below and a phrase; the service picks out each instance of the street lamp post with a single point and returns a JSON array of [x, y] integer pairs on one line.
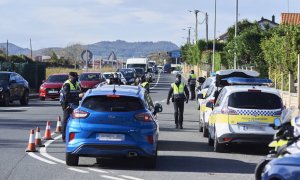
[[189, 34], [214, 41], [235, 34]]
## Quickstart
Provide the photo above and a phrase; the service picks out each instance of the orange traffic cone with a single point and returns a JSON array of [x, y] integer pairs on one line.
[[47, 135], [38, 141], [31, 145], [58, 125]]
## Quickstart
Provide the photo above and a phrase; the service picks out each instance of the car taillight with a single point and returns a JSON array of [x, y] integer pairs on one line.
[[144, 117], [253, 90], [228, 111], [71, 136], [42, 88], [112, 96], [79, 114], [150, 139], [212, 100]]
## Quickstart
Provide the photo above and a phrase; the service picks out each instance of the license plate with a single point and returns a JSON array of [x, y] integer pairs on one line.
[[52, 92], [251, 128], [110, 137]]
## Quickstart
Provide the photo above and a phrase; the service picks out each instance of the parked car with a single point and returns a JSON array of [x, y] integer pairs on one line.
[[243, 113], [51, 87], [88, 80], [129, 74], [113, 121], [13, 87]]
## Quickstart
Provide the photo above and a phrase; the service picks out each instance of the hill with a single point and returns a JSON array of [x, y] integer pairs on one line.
[[104, 48]]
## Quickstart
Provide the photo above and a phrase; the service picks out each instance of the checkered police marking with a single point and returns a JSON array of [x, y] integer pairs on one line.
[[254, 112]]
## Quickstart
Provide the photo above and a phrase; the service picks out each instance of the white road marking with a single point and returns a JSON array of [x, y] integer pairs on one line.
[[129, 177], [164, 100], [43, 151], [156, 82], [97, 170], [112, 177], [40, 158], [78, 170]]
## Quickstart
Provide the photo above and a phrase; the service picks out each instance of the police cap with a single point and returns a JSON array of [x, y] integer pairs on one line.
[[73, 74]]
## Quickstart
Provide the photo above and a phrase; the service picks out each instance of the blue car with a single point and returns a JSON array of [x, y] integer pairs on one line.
[[113, 121], [287, 168]]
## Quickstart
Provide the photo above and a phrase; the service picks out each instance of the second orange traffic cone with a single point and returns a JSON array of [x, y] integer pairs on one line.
[[38, 140], [31, 144], [58, 125], [47, 135]]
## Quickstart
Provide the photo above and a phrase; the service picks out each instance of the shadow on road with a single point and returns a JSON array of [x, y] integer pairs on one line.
[[164, 145], [183, 164]]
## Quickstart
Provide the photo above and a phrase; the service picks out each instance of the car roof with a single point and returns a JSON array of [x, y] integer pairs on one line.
[[232, 89], [6, 72], [91, 73], [58, 74], [229, 71], [122, 90]]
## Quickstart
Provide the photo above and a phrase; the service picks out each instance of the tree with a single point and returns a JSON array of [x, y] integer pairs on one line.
[[72, 53]]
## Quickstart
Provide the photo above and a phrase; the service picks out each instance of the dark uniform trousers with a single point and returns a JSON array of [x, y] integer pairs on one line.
[[67, 112], [192, 89], [178, 111]]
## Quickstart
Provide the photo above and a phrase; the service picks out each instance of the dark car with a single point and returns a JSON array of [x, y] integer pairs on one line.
[[88, 80], [167, 68], [51, 87], [129, 74], [13, 87]]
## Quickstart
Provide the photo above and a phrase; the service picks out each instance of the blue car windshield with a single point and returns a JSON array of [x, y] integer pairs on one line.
[[113, 103]]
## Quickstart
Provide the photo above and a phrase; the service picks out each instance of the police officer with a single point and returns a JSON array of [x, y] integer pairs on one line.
[[180, 94], [70, 96], [192, 84], [145, 84]]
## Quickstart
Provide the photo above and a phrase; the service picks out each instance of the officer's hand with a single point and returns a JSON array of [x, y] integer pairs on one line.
[[81, 95], [168, 102], [187, 100]]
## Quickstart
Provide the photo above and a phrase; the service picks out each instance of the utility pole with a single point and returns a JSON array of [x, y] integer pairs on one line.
[[196, 27], [206, 23], [189, 34], [235, 34], [214, 42]]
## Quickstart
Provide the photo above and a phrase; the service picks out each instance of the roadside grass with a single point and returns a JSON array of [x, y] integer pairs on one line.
[[56, 70]]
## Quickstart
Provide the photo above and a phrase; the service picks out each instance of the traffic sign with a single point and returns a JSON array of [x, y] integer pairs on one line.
[[86, 55]]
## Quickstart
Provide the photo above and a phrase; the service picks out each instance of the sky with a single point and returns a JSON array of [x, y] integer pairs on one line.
[[59, 23]]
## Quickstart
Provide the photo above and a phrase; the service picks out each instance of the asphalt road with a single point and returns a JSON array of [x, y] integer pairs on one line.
[[183, 153]]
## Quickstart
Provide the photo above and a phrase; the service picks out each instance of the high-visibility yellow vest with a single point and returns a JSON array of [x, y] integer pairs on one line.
[[178, 92], [73, 96], [193, 78], [144, 84]]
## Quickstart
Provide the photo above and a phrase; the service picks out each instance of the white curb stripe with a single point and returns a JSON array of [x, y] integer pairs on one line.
[[111, 177], [97, 170], [78, 170], [129, 177], [40, 158], [43, 151]]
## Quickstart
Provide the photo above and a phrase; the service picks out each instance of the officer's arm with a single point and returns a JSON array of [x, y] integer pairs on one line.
[[186, 91], [170, 93], [189, 79], [66, 88]]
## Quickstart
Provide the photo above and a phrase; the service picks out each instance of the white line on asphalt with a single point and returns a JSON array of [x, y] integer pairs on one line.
[[164, 100], [78, 170], [112, 177], [44, 153], [156, 81], [129, 177], [40, 158], [97, 170]]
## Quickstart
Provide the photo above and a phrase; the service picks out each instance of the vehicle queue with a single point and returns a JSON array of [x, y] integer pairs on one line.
[[235, 106]]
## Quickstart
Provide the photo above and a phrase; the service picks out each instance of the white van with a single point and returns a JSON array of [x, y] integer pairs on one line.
[[137, 63]]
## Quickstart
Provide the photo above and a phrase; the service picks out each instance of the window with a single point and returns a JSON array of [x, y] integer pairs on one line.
[[254, 100], [4, 77], [220, 98], [57, 78], [12, 77], [207, 83], [113, 104], [90, 77], [210, 90]]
